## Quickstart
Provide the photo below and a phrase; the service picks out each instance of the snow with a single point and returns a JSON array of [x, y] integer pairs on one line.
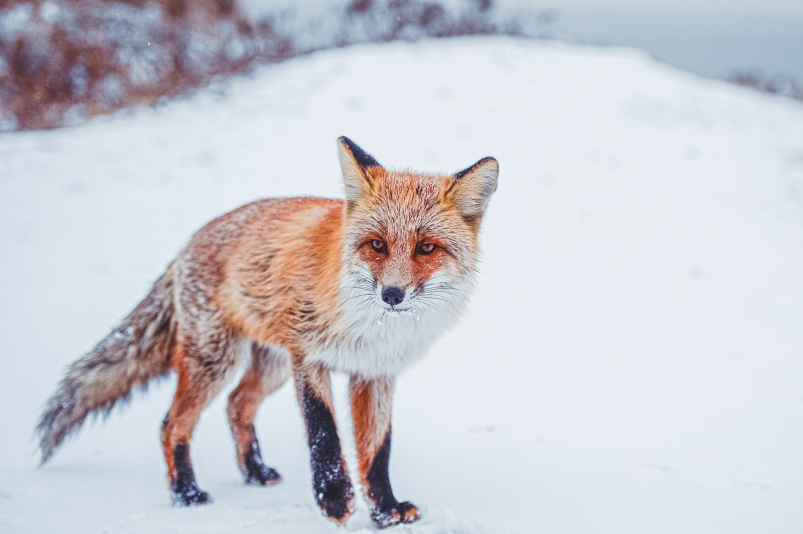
[[631, 362]]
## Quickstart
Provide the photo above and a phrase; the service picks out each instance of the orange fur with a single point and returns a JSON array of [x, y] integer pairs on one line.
[[371, 404], [310, 285]]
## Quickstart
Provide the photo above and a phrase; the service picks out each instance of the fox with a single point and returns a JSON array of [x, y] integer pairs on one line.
[[296, 287]]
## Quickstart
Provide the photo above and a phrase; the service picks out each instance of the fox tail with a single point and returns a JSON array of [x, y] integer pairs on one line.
[[134, 353]]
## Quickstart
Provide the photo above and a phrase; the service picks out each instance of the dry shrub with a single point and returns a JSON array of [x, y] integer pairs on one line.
[[63, 61], [778, 85]]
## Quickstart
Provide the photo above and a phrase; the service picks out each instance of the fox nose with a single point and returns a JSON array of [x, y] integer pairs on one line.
[[392, 295]]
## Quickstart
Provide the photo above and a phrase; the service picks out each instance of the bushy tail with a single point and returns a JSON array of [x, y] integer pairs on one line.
[[135, 352]]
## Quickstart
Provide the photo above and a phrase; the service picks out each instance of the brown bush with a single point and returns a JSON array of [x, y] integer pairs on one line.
[[778, 85], [63, 61]]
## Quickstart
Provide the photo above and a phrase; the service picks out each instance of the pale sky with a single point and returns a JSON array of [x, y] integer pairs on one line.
[[675, 6], [689, 6]]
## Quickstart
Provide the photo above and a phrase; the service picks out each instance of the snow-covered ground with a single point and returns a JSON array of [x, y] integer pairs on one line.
[[632, 363]]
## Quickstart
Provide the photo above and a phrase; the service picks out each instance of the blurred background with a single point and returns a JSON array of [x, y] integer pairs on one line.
[[62, 61], [717, 38]]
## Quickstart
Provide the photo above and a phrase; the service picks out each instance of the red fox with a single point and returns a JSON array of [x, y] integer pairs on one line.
[[362, 286]]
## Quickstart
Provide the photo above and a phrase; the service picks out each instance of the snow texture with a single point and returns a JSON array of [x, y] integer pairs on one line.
[[631, 362]]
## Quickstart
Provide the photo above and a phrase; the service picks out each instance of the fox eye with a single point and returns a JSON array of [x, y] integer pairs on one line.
[[425, 249], [379, 246]]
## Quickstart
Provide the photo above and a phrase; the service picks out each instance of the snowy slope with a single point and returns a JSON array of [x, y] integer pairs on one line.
[[632, 363]]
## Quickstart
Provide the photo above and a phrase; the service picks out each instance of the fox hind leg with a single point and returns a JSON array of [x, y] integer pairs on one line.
[[201, 375], [270, 368]]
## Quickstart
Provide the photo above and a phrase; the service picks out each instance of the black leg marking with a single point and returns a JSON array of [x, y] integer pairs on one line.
[[255, 470], [387, 510], [185, 489], [332, 486]]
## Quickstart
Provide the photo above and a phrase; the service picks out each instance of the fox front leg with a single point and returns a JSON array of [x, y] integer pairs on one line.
[[371, 404], [330, 478]]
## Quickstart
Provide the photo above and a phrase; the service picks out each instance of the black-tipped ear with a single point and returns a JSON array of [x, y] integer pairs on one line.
[[473, 187], [354, 161], [363, 158]]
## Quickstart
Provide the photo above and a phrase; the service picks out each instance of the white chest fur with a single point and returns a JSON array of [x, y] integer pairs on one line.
[[378, 343], [372, 341], [385, 346]]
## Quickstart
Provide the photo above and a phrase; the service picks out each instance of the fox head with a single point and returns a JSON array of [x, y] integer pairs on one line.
[[411, 239]]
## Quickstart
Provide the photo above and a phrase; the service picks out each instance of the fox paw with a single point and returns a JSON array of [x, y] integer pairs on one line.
[[336, 499], [403, 512], [192, 496], [255, 470], [261, 475]]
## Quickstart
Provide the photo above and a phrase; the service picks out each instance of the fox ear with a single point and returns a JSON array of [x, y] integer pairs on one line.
[[472, 188], [355, 162]]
